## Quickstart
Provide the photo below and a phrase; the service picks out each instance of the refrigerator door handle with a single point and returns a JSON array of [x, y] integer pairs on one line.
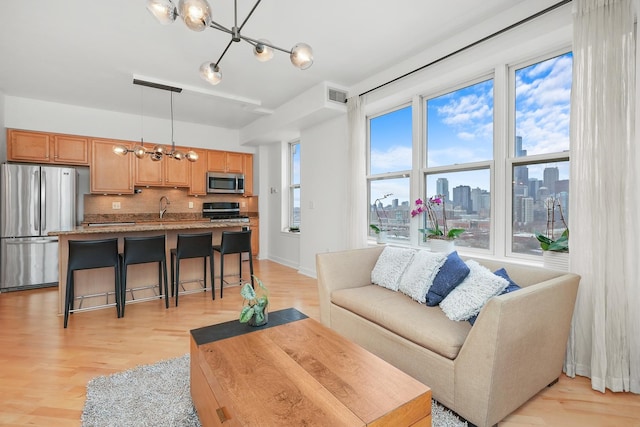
[[35, 185], [43, 199]]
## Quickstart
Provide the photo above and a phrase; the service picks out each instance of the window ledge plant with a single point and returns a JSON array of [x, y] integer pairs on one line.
[[548, 241], [436, 231]]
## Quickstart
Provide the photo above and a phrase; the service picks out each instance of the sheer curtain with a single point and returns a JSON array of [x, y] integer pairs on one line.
[[357, 187], [604, 343]]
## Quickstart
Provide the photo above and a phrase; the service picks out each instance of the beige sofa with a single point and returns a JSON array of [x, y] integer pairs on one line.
[[515, 348]]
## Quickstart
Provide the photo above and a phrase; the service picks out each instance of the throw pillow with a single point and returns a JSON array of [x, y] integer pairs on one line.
[[467, 299], [452, 273], [513, 286], [390, 265], [419, 275]]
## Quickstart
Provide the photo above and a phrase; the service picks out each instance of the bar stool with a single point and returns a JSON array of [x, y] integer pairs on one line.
[[142, 250], [192, 246], [88, 254], [234, 242]]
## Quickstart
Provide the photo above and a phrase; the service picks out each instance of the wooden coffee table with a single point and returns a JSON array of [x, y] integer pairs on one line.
[[296, 372]]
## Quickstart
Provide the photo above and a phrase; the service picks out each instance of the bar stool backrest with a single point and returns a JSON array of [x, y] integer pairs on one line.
[[85, 254], [234, 242], [194, 245], [139, 250]]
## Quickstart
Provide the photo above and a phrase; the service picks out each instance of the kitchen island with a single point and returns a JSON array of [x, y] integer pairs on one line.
[[96, 286]]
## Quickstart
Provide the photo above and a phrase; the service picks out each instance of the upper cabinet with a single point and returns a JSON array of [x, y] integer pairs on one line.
[[110, 173], [42, 147], [198, 181], [225, 161], [167, 172]]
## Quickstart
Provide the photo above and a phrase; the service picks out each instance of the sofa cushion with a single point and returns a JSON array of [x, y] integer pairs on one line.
[[419, 275], [467, 299], [451, 274], [427, 327], [513, 286], [390, 265]]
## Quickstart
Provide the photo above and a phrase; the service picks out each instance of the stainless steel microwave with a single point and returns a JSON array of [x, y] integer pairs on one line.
[[226, 183]]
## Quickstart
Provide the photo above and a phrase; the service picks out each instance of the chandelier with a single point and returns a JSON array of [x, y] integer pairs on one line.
[[158, 151], [196, 14]]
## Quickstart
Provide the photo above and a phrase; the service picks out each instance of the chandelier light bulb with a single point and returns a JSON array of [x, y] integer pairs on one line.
[[262, 52], [192, 156], [163, 10], [302, 56], [211, 73], [196, 14], [178, 155], [120, 150], [139, 151]]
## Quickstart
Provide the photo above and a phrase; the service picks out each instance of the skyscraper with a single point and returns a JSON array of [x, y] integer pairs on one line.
[[550, 176], [442, 187], [462, 198]]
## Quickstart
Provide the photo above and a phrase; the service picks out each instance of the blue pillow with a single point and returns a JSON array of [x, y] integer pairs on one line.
[[513, 286], [451, 274]]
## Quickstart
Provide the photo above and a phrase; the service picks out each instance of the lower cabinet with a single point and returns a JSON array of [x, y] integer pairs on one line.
[[254, 224]]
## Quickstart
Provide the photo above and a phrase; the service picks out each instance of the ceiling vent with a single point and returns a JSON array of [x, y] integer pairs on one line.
[[338, 96]]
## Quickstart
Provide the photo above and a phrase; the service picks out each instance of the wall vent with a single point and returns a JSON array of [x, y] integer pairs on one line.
[[336, 95]]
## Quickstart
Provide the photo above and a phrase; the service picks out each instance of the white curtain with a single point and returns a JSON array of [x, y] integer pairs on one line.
[[357, 187], [605, 197]]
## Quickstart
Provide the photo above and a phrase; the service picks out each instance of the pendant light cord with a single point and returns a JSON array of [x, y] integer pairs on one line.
[[173, 144]]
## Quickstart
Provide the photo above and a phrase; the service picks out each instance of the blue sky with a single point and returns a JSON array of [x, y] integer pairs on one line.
[[460, 127]]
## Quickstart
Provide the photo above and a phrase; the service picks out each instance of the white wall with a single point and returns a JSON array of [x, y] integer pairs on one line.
[[323, 184], [31, 114]]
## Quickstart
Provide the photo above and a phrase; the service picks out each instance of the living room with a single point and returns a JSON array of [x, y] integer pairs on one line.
[[327, 205]]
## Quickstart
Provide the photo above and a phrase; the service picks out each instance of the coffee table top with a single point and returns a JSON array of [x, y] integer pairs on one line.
[[298, 372]]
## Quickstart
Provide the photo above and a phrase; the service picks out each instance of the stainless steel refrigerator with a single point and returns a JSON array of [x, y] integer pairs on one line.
[[34, 200]]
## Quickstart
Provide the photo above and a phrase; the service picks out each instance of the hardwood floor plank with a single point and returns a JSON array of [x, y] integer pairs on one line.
[[44, 368]]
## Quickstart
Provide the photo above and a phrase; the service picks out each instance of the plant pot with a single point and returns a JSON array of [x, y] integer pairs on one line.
[[556, 260], [441, 245], [381, 237], [253, 322]]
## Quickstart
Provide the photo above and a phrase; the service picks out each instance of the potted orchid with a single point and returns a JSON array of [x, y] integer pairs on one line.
[[555, 250], [436, 230], [379, 229]]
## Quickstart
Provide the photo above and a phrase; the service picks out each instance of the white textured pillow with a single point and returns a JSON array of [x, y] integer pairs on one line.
[[468, 297], [419, 275], [390, 266]]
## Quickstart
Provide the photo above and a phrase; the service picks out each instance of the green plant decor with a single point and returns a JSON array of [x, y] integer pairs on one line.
[[547, 240], [255, 305], [375, 228]]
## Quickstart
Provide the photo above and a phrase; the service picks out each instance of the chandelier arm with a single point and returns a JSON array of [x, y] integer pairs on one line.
[[249, 15], [254, 42], [223, 53], [216, 26]]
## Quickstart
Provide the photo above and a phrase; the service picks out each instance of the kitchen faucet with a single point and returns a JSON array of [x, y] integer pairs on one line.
[[162, 211]]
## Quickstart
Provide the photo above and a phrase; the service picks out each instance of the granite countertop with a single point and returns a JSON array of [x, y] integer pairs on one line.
[[149, 226]]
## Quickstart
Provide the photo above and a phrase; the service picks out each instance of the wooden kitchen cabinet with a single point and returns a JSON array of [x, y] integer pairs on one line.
[[198, 179], [225, 161], [110, 173], [248, 174], [42, 147], [167, 172]]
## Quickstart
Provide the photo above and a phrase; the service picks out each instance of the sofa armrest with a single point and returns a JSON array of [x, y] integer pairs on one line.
[[343, 269], [516, 348]]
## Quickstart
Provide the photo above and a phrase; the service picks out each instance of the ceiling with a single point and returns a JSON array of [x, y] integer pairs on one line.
[[87, 53]]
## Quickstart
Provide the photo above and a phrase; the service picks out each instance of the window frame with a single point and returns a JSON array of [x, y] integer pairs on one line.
[[291, 185]]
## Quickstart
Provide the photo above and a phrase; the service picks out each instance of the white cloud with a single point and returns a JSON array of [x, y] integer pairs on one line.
[[396, 158]]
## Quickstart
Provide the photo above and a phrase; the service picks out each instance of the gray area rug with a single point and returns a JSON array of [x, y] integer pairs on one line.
[[158, 395]]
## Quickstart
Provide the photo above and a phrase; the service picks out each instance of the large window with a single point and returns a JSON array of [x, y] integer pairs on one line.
[[498, 164], [390, 151], [540, 162], [294, 185], [459, 142]]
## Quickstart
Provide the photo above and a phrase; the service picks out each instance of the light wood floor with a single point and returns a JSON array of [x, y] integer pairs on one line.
[[44, 368]]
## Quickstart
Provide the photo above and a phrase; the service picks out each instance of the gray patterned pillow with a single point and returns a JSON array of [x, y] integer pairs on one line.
[[419, 275]]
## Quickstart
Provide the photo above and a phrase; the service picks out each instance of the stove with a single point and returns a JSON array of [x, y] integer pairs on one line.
[[223, 212]]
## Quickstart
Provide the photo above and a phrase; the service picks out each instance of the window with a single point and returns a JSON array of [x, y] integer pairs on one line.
[[459, 142], [390, 158], [294, 185], [540, 161]]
